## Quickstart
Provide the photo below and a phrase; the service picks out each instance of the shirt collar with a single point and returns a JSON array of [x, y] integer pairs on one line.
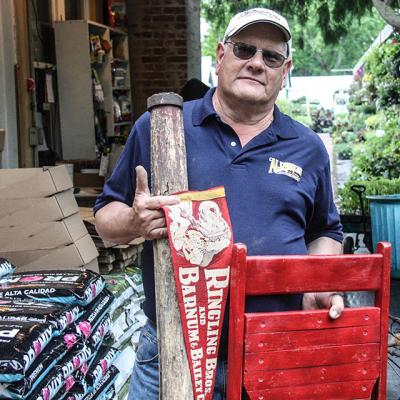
[[282, 125], [204, 108]]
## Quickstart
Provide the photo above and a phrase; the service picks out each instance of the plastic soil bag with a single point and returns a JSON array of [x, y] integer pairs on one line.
[[66, 287], [61, 375], [105, 385], [40, 368], [94, 313], [101, 365], [59, 315], [20, 344]]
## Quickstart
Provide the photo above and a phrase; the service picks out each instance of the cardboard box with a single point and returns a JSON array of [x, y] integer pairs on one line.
[[38, 236], [81, 253], [2, 136], [93, 265], [14, 212], [25, 183]]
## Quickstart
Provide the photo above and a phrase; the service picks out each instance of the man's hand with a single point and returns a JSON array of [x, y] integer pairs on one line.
[[146, 215], [120, 223], [332, 301], [329, 300]]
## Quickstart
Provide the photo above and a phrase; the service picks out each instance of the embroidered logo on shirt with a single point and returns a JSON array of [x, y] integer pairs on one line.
[[285, 168]]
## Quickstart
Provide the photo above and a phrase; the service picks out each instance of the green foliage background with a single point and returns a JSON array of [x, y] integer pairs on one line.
[[326, 34], [373, 123], [350, 202]]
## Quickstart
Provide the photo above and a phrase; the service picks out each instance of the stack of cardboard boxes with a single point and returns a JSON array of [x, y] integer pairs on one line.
[[40, 225], [112, 258]]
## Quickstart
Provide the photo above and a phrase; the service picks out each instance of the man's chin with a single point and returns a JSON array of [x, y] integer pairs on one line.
[[252, 98]]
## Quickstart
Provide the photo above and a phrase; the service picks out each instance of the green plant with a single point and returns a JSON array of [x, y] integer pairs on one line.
[[382, 72], [296, 109], [379, 154], [349, 202], [343, 151]]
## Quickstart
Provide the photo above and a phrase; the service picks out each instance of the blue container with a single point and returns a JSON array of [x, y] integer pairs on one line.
[[385, 225]]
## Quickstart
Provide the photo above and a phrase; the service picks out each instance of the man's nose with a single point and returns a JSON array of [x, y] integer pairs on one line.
[[257, 61]]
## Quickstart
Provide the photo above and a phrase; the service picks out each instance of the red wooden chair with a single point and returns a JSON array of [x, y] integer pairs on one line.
[[304, 355]]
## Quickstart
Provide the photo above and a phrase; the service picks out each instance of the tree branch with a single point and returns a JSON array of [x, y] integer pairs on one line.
[[389, 14]]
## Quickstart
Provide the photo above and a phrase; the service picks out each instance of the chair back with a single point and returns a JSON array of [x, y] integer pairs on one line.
[[305, 355]]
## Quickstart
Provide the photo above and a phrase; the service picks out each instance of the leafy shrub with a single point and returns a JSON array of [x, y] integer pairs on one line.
[[295, 109], [343, 151], [349, 202], [379, 156], [374, 116]]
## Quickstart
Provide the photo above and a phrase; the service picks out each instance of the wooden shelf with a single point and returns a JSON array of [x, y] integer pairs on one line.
[[122, 123], [120, 60], [74, 72]]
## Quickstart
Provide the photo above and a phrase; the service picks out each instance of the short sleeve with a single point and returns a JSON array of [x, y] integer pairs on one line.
[[324, 220]]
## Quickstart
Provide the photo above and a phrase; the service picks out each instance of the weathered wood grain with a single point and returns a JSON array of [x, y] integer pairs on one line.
[[168, 175]]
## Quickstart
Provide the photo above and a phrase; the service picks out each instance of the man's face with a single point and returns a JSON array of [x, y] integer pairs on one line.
[[252, 81]]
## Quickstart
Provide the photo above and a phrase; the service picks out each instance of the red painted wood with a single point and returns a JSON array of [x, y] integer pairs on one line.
[[277, 275], [257, 380], [298, 274], [311, 357], [382, 299], [314, 319], [236, 322], [262, 342], [331, 391]]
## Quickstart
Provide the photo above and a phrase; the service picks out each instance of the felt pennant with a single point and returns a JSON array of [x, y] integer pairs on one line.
[[200, 236]]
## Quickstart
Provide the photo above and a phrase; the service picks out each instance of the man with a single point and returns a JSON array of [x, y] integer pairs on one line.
[[275, 172]]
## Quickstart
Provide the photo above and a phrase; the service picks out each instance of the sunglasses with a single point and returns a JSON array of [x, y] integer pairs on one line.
[[246, 51]]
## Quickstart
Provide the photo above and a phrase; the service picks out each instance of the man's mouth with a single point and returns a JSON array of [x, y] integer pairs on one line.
[[251, 79]]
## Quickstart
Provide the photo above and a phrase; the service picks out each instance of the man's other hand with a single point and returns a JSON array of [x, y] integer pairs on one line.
[[329, 300]]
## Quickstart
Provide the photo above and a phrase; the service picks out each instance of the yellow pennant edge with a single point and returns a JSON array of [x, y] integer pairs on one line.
[[202, 195]]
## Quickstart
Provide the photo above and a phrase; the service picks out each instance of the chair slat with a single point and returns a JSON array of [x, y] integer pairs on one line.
[[272, 341], [311, 357], [257, 380], [335, 391], [314, 319], [277, 275]]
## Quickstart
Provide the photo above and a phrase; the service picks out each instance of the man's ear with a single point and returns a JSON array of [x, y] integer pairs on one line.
[[287, 68], [220, 53]]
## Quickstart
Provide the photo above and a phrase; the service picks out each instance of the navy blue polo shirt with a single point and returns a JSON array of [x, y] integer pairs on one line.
[[278, 186]]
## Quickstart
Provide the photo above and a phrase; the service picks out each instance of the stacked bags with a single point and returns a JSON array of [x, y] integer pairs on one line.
[[52, 328], [127, 320]]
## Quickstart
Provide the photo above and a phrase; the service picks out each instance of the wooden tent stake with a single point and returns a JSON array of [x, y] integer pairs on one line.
[[168, 175]]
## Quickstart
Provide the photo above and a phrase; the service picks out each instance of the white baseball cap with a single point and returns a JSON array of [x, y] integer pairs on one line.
[[255, 15]]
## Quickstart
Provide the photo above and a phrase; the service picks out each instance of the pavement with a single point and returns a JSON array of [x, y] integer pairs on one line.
[[393, 381], [365, 298]]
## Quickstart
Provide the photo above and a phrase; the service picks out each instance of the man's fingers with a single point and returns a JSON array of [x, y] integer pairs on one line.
[[328, 300], [143, 197], [142, 187], [156, 202], [156, 224], [156, 229], [158, 234], [334, 313], [147, 216], [337, 306]]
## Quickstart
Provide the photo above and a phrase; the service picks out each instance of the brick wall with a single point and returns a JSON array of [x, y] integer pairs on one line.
[[157, 36]]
